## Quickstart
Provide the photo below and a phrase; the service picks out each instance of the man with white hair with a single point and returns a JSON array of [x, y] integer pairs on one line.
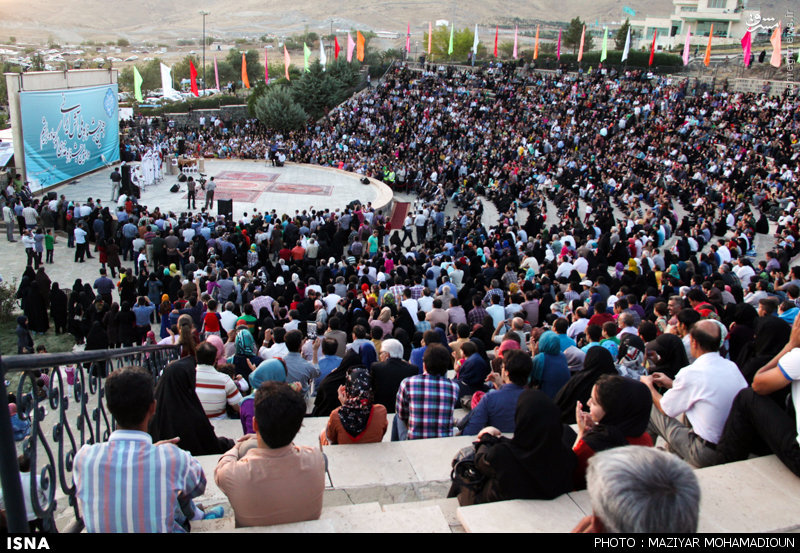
[[389, 372], [636, 489]]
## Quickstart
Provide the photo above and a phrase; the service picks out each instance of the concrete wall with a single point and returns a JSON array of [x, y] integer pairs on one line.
[[46, 80], [192, 118]]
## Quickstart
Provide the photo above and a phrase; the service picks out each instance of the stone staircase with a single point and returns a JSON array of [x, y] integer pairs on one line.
[[402, 487]]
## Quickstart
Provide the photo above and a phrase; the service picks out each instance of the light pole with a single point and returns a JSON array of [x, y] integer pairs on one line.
[[204, 13]]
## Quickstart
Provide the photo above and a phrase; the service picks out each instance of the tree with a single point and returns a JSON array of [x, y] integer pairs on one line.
[[278, 111], [255, 69], [572, 38], [309, 91], [622, 35], [123, 42], [462, 43]]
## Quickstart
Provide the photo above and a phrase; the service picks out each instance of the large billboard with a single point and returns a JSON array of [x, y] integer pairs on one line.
[[68, 132]]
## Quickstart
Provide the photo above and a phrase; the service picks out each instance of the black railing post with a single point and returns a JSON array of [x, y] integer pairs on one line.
[[9, 470]]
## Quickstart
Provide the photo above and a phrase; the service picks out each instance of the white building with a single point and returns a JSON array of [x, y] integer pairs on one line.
[[729, 18]]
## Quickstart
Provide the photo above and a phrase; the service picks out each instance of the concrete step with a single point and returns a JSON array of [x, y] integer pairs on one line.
[[756, 495], [361, 518]]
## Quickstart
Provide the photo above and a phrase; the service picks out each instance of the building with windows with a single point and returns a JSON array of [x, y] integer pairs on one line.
[[729, 18]]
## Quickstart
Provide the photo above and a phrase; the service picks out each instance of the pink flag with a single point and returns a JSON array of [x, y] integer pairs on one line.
[[287, 61], [496, 30], [775, 40], [216, 72], [350, 47], [746, 46], [686, 47], [266, 67], [408, 38], [583, 37], [515, 42], [558, 47], [430, 36]]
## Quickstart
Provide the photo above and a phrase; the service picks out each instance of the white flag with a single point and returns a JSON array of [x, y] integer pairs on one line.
[[166, 80], [323, 59], [627, 45], [475, 42]]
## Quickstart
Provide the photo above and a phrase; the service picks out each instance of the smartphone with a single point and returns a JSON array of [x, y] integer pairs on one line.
[[311, 330]]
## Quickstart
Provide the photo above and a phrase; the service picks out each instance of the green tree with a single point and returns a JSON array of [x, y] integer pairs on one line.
[[309, 91], [278, 111], [123, 42], [572, 38], [12, 39], [341, 78], [255, 69], [151, 76], [181, 70], [622, 35], [462, 43]]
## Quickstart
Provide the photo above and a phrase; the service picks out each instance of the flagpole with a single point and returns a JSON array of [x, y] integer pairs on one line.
[[204, 13]]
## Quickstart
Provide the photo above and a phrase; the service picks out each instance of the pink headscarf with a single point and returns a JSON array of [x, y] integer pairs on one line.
[[216, 341]]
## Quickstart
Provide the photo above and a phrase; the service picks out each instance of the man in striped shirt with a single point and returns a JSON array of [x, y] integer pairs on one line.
[[128, 484], [215, 389]]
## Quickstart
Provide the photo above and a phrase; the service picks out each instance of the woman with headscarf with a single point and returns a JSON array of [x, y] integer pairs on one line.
[[24, 338], [772, 335], [328, 390], [216, 341], [619, 412], [550, 368], [742, 329], [402, 336], [271, 370], [164, 309], [179, 412], [667, 354], [384, 321], [534, 464], [246, 358], [405, 321], [598, 362], [359, 420], [58, 308]]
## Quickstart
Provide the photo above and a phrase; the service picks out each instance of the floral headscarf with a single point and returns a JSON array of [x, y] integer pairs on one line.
[[356, 410]]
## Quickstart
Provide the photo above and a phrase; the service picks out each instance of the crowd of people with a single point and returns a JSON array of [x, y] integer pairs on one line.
[[618, 314]]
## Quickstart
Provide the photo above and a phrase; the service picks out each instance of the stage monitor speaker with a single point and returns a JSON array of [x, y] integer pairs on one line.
[[225, 207]]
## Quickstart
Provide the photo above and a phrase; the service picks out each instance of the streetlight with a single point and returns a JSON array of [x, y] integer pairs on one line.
[[204, 13]]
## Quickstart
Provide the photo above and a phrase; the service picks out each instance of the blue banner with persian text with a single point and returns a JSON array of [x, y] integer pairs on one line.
[[68, 132]]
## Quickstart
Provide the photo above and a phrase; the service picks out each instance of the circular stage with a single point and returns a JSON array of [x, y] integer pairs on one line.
[[252, 185]]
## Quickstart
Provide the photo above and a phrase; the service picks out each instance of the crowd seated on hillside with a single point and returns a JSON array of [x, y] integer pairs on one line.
[[620, 317]]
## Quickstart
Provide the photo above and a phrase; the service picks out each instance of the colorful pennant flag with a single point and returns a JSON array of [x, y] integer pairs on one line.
[[558, 48], [583, 38], [360, 43], [686, 46], [746, 47], [306, 58], [193, 79], [137, 84], [450, 46], [408, 38], [430, 37], [216, 73], [775, 40], [515, 42], [287, 61], [350, 47], [266, 66], [604, 52], [336, 48], [627, 49], [536, 44], [653, 47], [245, 80], [707, 57], [496, 31], [166, 80], [323, 59], [475, 42]]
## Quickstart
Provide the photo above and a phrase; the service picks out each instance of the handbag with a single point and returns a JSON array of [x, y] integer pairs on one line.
[[465, 473]]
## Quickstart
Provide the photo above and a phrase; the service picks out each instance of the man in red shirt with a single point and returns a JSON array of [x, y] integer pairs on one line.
[[600, 316], [298, 252]]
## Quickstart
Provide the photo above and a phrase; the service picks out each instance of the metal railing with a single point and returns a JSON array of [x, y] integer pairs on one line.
[[77, 415]]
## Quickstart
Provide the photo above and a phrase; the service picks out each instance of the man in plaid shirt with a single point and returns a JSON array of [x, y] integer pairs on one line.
[[477, 313], [425, 402]]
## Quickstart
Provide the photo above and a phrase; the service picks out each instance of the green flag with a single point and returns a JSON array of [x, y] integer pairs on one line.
[[137, 84], [604, 53], [306, 58], [450, 47]]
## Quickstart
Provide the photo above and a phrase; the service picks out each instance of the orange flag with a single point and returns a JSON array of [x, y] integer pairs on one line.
[[245, 80], [707, 59], [775, 40], [536, 44], [360, 46]]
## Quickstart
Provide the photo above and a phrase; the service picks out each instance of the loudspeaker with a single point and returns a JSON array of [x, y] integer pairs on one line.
[[51, 196], [225, 207], [174, 188]]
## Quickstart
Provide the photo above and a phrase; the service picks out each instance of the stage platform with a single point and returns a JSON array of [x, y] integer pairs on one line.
[[252, 185]]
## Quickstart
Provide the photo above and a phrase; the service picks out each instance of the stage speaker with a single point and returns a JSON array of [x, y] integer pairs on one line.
[[225, 207], [51, 196]]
